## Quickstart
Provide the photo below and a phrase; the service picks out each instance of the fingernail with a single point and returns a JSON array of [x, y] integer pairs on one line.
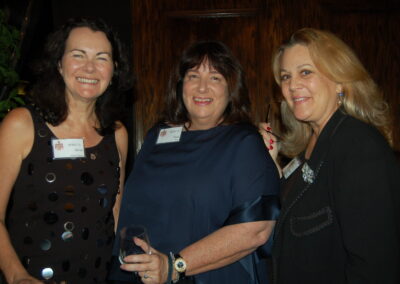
[[269, 128], [270, 147], [271, 141]]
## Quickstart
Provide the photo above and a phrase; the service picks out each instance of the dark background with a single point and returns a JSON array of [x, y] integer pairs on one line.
[[44, 16]]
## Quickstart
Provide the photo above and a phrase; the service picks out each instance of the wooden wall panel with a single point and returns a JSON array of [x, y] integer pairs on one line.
[[253, 29], [371, 29]]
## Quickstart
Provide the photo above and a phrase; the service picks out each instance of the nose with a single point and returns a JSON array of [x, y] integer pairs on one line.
[[203, 85], [293, 83], [89, 66]]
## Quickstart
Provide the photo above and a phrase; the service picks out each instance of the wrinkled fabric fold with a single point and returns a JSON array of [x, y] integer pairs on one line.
[[263, 208]]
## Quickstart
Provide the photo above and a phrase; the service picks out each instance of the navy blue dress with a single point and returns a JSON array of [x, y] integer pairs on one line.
[[184, 191]]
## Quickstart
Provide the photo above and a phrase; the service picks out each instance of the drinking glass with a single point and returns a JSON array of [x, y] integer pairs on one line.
[[127, 245]]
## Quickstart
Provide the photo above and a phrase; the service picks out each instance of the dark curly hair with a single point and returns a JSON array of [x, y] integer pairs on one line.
[[48, 94], [219, 56]]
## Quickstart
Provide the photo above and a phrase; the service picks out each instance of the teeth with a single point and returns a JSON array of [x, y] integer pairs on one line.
[[89, 81], [202, 100], [299, 99]]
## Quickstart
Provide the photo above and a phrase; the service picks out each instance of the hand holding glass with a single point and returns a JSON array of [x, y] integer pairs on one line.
[[127, 243]]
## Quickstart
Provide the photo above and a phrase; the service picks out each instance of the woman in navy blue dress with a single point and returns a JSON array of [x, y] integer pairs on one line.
[[203, 184]]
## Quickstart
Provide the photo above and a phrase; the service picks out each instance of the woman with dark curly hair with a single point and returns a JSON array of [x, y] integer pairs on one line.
[[62, 161], [203, 184]]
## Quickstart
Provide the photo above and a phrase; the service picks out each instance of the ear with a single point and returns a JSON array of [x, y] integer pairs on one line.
[[59, 67]]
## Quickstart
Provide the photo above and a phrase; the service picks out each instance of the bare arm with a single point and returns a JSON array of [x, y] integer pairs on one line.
[[121, 137], [223, 247], [16, 139]]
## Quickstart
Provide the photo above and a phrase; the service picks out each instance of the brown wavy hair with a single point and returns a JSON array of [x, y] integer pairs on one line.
[[219, 56], [48, 93]]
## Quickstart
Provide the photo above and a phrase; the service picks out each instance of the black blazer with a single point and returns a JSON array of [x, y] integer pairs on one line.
[[343, 227]]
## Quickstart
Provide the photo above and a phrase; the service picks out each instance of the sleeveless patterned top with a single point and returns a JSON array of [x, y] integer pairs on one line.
[[60, 217]]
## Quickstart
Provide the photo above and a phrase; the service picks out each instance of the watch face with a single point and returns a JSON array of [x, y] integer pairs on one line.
[[180, 265]]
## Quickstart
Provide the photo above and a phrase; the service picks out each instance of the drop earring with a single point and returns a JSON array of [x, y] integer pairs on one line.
[[340, 96]]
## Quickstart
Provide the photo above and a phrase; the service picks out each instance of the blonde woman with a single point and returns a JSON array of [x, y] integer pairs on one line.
[[339, 196]]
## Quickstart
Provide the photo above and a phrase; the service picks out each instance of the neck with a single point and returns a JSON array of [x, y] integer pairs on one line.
[[317, 128], [311, 144], [82, 113], [202, 125]]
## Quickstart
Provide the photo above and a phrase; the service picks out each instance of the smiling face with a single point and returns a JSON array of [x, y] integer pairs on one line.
[[87, 64], [310, 95], [205, 95]]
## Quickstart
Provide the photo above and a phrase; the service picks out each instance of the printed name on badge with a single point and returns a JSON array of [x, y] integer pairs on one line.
[[169, 135], [68, 148], [291, 167]]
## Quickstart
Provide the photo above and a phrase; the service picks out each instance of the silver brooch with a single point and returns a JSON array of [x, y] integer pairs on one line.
[[308, 173]]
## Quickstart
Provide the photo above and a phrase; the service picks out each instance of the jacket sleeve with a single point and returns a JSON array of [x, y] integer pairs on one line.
[[365, 183]]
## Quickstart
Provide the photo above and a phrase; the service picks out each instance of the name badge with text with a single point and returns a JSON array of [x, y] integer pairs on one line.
[[291, 167], [68, 148], [169, 135]]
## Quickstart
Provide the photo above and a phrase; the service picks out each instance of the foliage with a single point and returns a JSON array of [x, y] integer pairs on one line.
[[9, 54], [12, 101]]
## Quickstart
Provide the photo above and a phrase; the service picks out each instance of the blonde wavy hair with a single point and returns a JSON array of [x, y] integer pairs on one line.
[[338, 62]]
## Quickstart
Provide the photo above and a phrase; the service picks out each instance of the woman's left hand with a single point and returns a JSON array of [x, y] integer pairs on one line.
[[152, 268]]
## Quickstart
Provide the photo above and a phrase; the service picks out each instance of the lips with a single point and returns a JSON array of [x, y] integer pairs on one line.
[[299, 99], [202, 101], [87, 81]]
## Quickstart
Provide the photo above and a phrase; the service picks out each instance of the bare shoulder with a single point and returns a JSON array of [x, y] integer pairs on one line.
[[18, 119], [16, 130]]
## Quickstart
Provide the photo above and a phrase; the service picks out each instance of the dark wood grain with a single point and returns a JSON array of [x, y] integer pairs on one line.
[[253, 29]]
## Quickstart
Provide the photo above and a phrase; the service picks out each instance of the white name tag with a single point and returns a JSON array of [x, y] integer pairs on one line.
[[68, 148], [169, 135], [291, 167]]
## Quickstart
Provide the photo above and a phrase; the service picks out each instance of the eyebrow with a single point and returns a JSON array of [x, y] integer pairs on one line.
[[298, 67], [98, 53], [197, 71]]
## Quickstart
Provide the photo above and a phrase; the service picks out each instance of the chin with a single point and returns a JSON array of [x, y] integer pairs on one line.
[[300, 116]]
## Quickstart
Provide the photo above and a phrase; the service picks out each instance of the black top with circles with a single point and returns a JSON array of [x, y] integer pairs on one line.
[[60, 212]]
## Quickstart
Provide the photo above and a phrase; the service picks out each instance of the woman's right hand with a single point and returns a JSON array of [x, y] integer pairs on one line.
[[271, 142], [27, 279], [152, 268]]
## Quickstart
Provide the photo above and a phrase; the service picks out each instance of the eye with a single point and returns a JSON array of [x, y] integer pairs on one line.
[[284, 77], [192, 76], [77, 55], [215, 78], [305, 72], [102, 58]]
